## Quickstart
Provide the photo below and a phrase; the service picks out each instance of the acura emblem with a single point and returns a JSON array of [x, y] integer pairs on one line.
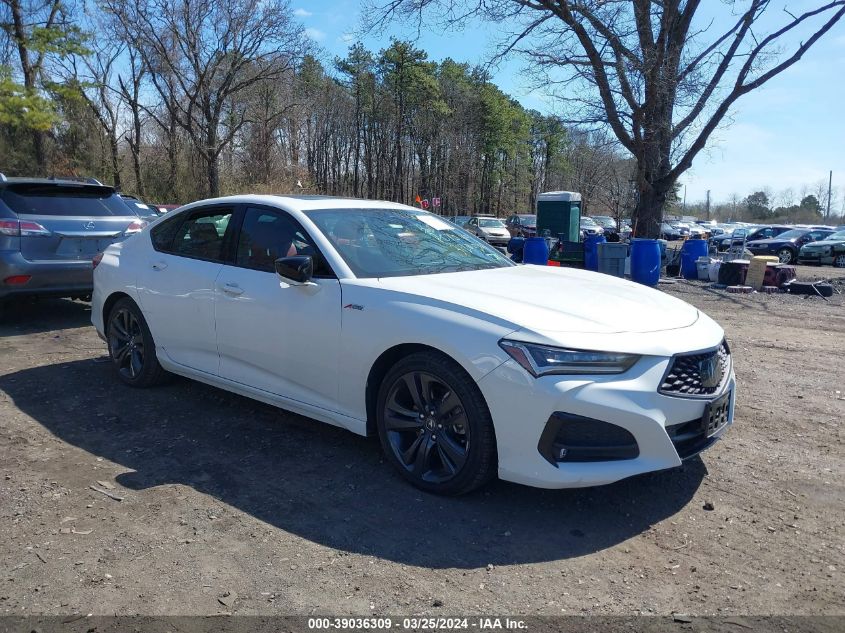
[[710, 371], [88, 225]]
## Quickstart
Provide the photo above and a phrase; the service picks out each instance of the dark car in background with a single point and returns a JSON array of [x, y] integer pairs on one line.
[[722, 242], [670, 233], [787, 245], [141, 209], [50, 229], [522, 225], [830, 250]]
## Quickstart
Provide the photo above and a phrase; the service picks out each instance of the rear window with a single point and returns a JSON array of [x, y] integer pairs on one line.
[[46, 199]]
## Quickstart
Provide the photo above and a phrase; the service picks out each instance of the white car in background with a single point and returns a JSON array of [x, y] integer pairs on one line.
[[387, 320]]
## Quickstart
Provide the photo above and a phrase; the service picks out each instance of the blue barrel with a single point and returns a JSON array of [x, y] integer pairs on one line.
[[645, 261], [536, 251], [591, 251], [690, 252], [515, 248]]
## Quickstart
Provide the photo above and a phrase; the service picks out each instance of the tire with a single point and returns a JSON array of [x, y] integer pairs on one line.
[[839, 261], [439, 436], [786, 256], [131, 346]]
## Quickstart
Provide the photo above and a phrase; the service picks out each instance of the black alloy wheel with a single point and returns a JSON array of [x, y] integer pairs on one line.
[[126, 343], [434, 425], [131, 346]]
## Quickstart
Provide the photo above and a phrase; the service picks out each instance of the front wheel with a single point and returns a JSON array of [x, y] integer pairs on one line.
[[131, 346], [839, 261], [785, 255], [434, 425]]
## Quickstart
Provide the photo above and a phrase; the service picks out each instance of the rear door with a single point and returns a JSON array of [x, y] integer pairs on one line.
[[71, 222], [176, 284]]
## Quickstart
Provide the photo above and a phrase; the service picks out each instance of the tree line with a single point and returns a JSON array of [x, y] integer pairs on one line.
[[176, 100]]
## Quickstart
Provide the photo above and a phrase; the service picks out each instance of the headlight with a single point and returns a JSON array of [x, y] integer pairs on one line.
[[540, 360]]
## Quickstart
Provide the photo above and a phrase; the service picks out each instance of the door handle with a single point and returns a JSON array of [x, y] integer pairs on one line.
[[159, 266], [232, 289]]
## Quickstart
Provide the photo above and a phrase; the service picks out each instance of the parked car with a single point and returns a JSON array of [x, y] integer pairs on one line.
[[491, 230], [141, 209], [522, 225], [830, 250], [669, 232], [681, 228], [604, 221], [50, 229], [589, 227], [787, 244], [764, 232], [386, 320], [165, 208]]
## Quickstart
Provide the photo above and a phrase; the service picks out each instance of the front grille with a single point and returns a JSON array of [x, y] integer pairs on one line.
[[701, 374]]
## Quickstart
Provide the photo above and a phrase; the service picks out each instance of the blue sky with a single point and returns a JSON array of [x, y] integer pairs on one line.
[[788, 134]]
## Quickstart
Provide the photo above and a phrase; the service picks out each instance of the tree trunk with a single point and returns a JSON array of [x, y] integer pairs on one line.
[[648, 212], [115, 160]]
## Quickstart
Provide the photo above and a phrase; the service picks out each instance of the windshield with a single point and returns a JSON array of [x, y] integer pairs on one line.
[[587, 221], [491, 223], [528, 219], [396, 242], [68, 200], [791, 234], [839, 235]]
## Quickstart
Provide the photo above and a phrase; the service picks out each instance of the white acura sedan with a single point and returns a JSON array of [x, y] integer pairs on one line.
[[384, 319]]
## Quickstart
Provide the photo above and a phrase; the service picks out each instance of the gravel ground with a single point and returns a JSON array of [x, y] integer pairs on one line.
[[230, 506]]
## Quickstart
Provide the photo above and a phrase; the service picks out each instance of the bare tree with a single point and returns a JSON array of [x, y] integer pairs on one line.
[[211, 52], [658, 78]]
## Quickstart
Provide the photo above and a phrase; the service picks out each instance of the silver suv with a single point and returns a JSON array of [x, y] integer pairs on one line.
[[491, 230], [50, 231]]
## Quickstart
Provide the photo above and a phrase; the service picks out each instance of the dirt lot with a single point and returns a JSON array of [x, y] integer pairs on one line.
[[222, 495]]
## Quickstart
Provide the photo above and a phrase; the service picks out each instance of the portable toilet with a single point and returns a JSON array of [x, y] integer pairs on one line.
[[559, 213]]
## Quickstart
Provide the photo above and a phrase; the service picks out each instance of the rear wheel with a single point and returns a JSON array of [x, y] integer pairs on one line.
[[785, 255], [434, 425], [131, 346]]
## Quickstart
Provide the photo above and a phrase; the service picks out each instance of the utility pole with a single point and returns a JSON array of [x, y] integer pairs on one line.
[[708, 204], [684, 212], [829, 187]]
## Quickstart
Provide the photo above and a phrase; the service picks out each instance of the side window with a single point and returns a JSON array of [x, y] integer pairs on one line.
[[163, 233], [766, 234], [201, 235], [267, 235]]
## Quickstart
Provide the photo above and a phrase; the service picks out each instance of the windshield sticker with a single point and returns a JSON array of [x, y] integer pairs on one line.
[[436, 223]]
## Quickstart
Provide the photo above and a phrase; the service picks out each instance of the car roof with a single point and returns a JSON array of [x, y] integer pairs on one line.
[[304, 202], [81, 182]]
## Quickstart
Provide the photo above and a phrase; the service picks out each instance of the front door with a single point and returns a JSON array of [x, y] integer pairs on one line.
[[278, 337]]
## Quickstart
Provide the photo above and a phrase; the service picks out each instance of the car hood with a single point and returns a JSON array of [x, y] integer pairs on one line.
[[550, 299], [824, 243], [495, 231]]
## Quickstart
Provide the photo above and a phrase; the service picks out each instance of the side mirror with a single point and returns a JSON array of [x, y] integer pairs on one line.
[[297, 269]]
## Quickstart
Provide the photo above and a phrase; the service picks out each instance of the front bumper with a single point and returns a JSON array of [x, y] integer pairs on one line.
[[815, 257], [497, 240], [48, 277], [522, 406]]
